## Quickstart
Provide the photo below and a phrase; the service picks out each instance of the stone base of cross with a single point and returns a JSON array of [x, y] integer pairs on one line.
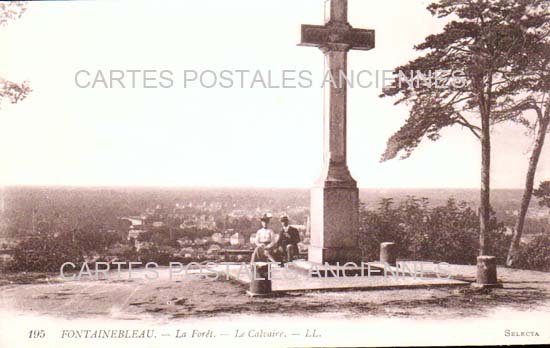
[[335, 197]]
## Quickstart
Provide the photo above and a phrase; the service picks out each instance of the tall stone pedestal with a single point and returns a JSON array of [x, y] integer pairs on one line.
[[334, 225]]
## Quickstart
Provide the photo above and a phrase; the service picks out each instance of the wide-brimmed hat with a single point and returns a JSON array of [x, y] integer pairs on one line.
[[284, 218], [266, 217]]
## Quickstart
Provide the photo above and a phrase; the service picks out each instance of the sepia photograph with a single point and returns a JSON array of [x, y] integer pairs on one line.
[[253, 173]]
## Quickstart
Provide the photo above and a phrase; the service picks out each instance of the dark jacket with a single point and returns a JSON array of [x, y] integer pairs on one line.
[[290, 237]]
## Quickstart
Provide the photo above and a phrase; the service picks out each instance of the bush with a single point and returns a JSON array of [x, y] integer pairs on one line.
[[46, 253], [535, 254], [448, 233], [89, 241], [154, 253], [43, 254]]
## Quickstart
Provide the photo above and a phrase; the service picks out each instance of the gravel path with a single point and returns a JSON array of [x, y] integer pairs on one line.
[[195, 297]]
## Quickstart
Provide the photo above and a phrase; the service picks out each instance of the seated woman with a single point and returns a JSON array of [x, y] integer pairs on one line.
[[266, 241]]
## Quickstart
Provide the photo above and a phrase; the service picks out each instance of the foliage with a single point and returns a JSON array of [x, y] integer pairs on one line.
[[89, 241], [49, 251], [535, 85], [160, 237], [11, 10], [43, 254], [473, 75], [193, 232], [445, 233], [121, 251], [491, 43], [543, 194], [535, 254], [11, 91], [153, 253]]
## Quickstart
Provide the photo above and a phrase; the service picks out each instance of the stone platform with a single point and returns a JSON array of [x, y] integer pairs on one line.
[[294, 279]]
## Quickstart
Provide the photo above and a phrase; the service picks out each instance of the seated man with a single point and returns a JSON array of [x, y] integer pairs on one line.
[[266, 240], [288, 240]]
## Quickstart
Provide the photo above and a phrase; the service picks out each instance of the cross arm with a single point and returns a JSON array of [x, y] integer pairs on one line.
[[321, 35]]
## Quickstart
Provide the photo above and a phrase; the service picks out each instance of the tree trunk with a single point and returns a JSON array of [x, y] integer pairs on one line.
[[528, 191], [485, 193]]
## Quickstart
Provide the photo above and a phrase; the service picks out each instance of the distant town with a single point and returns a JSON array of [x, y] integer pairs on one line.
[[205, 229], [197, 224]]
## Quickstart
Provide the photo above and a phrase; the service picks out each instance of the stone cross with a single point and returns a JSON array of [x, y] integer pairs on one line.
[[335, 197]]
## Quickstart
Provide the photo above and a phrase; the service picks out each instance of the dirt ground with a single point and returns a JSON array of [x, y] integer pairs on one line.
[[196, 297]]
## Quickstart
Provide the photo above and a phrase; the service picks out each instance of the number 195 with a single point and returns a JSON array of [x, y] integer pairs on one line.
[[37, 334]]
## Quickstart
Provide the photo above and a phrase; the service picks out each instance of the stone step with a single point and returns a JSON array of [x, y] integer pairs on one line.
[[326, 271]]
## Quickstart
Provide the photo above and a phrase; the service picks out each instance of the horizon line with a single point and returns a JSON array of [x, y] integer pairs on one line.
[[237, 187]]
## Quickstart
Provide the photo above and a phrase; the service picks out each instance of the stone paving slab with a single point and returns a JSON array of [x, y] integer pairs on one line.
[[285, 280]]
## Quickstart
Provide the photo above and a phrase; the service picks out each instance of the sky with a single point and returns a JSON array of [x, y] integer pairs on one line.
[[189, 135]]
